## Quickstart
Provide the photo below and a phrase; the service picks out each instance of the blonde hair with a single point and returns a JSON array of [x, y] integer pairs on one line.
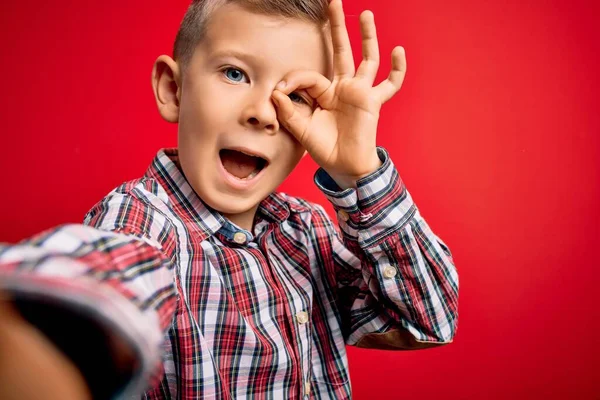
[[193, 27]]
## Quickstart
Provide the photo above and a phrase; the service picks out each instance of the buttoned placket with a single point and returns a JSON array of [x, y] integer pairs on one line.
[[301, 321]]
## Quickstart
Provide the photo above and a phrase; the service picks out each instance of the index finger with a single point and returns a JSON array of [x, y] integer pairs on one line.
[[343, 60], [315, 84]]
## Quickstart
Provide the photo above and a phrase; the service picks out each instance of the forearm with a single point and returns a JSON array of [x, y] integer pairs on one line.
[[115, 287], [403, 275], [413, 277]]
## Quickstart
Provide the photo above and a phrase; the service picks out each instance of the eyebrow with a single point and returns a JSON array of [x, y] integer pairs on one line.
[[235, 54]]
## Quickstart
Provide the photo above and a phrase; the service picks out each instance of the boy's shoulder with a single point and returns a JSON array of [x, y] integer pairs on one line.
[[297, 205], [145, 191], [141, 187]]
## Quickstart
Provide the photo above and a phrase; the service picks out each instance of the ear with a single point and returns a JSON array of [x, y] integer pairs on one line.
[[166, 83]]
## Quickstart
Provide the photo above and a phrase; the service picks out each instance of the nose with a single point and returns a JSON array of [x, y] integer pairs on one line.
[[259, 113]]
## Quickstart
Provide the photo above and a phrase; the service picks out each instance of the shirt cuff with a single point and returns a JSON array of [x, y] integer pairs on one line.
[[99, 302], [378, 206]]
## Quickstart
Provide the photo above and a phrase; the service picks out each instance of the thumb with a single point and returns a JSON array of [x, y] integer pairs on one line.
[[288, 115]]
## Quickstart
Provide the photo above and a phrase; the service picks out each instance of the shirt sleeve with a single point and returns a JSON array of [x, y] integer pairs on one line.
[[396, 280], [116, 272]]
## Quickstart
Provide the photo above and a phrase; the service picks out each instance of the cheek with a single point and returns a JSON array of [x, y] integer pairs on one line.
[[292, 151], [206, 104]]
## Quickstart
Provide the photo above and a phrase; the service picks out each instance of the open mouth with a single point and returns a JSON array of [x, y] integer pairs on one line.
[[242, 165]]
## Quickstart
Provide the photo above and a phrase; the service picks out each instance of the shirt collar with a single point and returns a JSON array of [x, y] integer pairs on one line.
[[166, 170]]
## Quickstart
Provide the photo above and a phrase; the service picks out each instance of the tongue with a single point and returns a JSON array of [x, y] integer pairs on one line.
[[238, 164]]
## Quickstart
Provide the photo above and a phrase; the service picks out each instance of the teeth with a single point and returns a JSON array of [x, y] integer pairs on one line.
[[252, 175]]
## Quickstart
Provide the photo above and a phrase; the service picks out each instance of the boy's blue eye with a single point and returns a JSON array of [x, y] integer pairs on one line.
[[296, 98], [234, 74]]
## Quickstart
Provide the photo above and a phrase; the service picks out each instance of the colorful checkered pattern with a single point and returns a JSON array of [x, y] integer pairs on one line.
[[263, 314]]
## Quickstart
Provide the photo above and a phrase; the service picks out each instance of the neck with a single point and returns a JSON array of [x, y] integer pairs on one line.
[[244, 220]]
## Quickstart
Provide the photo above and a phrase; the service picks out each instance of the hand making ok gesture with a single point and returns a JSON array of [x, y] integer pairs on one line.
[[340, 134]]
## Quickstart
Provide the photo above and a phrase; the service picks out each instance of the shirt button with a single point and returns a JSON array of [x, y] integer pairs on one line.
[[389, 272], [302, 317], [307, 388], [343, 215], [239, 238]]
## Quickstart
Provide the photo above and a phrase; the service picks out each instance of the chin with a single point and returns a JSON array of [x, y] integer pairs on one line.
[[227, 203]]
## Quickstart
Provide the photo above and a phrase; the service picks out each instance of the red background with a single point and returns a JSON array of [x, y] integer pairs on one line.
[[495, 132]]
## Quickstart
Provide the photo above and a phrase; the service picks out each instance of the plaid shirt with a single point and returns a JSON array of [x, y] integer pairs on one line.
[[263, 314]]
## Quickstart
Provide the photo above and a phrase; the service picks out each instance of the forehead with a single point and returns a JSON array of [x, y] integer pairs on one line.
[[277, 42]]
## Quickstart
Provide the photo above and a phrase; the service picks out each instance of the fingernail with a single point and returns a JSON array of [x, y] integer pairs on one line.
[[281, 85]]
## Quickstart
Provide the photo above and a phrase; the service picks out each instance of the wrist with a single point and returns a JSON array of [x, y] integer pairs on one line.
[[347, 181]]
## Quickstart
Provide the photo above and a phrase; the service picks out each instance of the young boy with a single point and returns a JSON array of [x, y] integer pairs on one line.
[[197, 281]]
